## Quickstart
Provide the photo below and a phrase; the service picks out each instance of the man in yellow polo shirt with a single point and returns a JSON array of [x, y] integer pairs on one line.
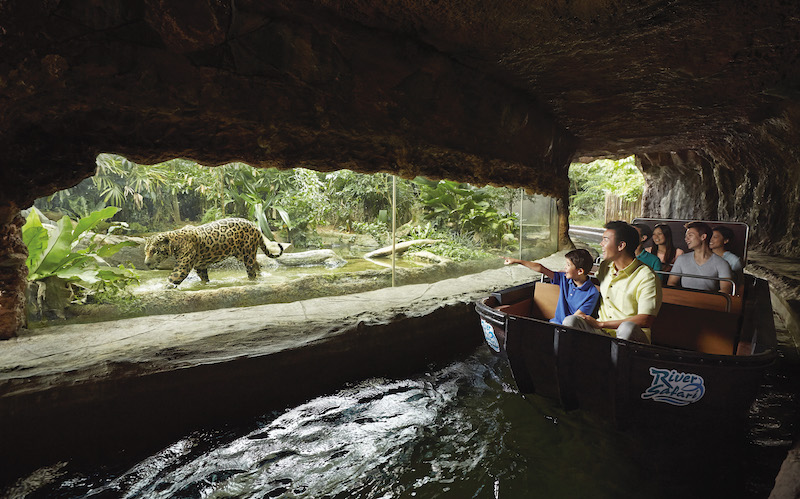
[[630, 290]]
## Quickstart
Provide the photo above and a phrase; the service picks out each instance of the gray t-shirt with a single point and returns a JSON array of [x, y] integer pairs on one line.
[[733, 261], [716, 266]]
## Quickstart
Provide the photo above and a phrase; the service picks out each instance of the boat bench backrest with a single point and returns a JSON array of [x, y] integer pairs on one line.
[[692, 320], [522, 308], [545, 300], [740, 233], [701, 299], [697, 321]]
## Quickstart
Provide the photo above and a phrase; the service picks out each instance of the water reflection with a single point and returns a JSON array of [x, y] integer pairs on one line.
[[459, 431]]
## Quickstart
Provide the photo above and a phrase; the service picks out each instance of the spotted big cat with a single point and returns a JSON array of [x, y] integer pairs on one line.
[[198, 247]]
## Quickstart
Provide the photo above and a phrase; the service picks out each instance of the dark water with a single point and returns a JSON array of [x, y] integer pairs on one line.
[[458, 431]]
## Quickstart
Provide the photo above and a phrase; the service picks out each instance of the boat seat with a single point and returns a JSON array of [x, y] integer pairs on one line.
[[522, 308], [545, 300], [701, 299], [697, 329], [688, 319], [542, 305]]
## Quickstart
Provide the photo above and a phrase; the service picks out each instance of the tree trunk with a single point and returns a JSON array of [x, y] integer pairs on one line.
[[399, 247], [314, 257], [176, 208], [564, 241]]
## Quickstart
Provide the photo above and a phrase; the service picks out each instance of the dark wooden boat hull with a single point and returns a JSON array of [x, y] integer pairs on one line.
[[628, 382]]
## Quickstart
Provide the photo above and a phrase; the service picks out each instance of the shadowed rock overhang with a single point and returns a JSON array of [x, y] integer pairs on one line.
[[704, 93]]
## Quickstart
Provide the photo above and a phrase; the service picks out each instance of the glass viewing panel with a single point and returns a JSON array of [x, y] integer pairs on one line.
[[336, 228]]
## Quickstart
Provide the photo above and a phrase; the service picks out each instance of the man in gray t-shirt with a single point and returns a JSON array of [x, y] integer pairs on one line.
[[701, 261]]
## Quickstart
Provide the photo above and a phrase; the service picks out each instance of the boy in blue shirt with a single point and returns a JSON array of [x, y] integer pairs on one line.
[[577, 292]]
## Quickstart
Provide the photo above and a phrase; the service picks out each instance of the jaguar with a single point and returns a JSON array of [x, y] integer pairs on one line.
[[198, 247]]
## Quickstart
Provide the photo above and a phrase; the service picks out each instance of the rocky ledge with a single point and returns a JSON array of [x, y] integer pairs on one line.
[[94, 388]]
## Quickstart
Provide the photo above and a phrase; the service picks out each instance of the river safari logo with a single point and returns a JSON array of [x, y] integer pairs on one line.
[[675, 388], [488, 333]]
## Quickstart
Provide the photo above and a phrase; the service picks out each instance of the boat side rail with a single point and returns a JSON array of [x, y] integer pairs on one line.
[[514, 294], [698, 276], [489, 313]]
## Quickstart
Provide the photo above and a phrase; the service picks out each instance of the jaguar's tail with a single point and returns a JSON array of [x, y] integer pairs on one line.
[[266, 243]]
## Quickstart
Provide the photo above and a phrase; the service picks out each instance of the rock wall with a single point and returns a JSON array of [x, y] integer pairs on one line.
[[752, 178], [269, 85], [13, 276], [477, 91]]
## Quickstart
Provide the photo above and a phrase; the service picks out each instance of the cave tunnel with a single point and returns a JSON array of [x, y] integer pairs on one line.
[[706, 95]]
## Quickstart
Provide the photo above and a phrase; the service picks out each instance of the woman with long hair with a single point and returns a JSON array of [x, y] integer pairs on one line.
[[663, 247]]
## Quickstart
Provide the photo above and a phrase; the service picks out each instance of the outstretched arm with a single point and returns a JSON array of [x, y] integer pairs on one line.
[[536, 267]]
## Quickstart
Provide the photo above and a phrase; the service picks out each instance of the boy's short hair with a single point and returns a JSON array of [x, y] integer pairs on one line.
[[624, 233], [645, 229], [702, 228], [582, 259]]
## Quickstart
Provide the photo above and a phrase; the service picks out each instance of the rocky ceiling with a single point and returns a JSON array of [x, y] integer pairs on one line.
[[705, 93]]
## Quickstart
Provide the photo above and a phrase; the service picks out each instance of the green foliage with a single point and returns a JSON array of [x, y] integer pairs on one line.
[[80, 207], [292, 203], [378, 230], [464, 209], [211, 214], [137, 228], [454, 247], [590, 182], [56, 254], [355, 196], [114, 287]]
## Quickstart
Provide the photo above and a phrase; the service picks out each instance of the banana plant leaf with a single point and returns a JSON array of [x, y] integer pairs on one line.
[[57, 251], [284, 216], [35, 237], [48, 256], [263, 224], [89, 222], [87, 275], [108, 250]]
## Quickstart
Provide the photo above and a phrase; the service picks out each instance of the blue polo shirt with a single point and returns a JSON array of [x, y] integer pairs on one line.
[[573, 298]]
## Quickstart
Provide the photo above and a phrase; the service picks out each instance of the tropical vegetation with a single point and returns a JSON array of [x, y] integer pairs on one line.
[[292, 204], [591, 182], [71, 255]]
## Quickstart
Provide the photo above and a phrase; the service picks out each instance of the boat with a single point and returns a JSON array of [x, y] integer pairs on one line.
[[705, 364]]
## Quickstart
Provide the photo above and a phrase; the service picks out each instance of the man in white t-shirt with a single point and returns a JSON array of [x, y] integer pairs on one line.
[[700, 261]]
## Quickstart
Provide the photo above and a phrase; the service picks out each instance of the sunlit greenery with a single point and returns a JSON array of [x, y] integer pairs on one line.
[[589, 183], [57, 254], [465, 209], [292, 204]]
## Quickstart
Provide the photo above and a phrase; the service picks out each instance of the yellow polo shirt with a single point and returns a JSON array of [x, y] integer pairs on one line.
[[632, 291]]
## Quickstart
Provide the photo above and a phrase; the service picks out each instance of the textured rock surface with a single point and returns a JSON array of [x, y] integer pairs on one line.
[[481, 91], [13, 274], [705, 93]]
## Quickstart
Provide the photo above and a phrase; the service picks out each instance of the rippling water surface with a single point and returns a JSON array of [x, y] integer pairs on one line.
[[458, 431]]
